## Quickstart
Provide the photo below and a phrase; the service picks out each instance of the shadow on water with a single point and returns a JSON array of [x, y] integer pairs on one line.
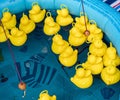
[[1, 56]]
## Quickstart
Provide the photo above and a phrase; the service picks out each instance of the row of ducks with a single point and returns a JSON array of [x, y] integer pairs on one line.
[[44, 95], [101, 59], [99, 54], [18, 36], [83, 78], [108, 55], [36, 15], [76, 34], [27, 24], [68, 56], [103, 62]]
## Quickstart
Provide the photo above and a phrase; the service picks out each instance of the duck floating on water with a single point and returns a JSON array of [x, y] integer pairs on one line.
[[95, 32], [17, 37], [80, 23], [36, 13], [45, 96], [110, 75], [26, 24], [82, 78], [3, 34], [76, 38], [68, 57], [63, 18], [58, 44], [50, 27], [97, 47], [9, 20], [93, 63], [111, 57]]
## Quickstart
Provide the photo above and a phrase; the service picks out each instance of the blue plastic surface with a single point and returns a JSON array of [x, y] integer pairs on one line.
[[39, 66], [14, 6], [45, 4]]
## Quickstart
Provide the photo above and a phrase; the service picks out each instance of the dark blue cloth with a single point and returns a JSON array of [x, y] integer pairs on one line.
[[109, 1], [115, 4]]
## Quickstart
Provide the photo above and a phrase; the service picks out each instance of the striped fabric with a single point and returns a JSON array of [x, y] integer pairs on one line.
[[113, 3]]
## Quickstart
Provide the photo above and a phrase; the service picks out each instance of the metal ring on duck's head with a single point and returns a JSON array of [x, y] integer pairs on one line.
[[63, 6], [34, 3], [48, 14], [5, 10], [44, 91]]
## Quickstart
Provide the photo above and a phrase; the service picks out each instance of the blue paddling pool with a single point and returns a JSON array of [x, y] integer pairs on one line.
[[41, 69]]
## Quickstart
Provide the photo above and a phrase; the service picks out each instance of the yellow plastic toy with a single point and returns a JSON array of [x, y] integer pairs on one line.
[[98, 47], [50, 27], [68, 57], [95, 36], [80, 22], [110, 57], [92, 26], [63, 18], [3, 34], [58, 44], [45, 96], [95, 32], [83, 78], [26, 24], [17, 37], [93, 63], [110, 75], [8, 20], [76, 38], [36, 14]]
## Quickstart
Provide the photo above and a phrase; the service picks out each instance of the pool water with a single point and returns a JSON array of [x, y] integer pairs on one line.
[[40, 69]]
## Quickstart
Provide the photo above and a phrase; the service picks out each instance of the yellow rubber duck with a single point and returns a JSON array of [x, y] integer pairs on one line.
[[92, 26], [36, 14], [9, 20], [94, 36], [58, 44], [3, 34], [93, 63], [95, 33], [45, 96], [98, 47], [63, 18], [50, 27], [83, 78], [110, 75], [80, 23], [26, 24], [68, 57], [76, 38], [17, 37], [110, 57]]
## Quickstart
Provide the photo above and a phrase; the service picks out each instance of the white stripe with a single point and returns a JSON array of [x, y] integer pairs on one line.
[[118, 9], [104, 0], [116, 2]]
